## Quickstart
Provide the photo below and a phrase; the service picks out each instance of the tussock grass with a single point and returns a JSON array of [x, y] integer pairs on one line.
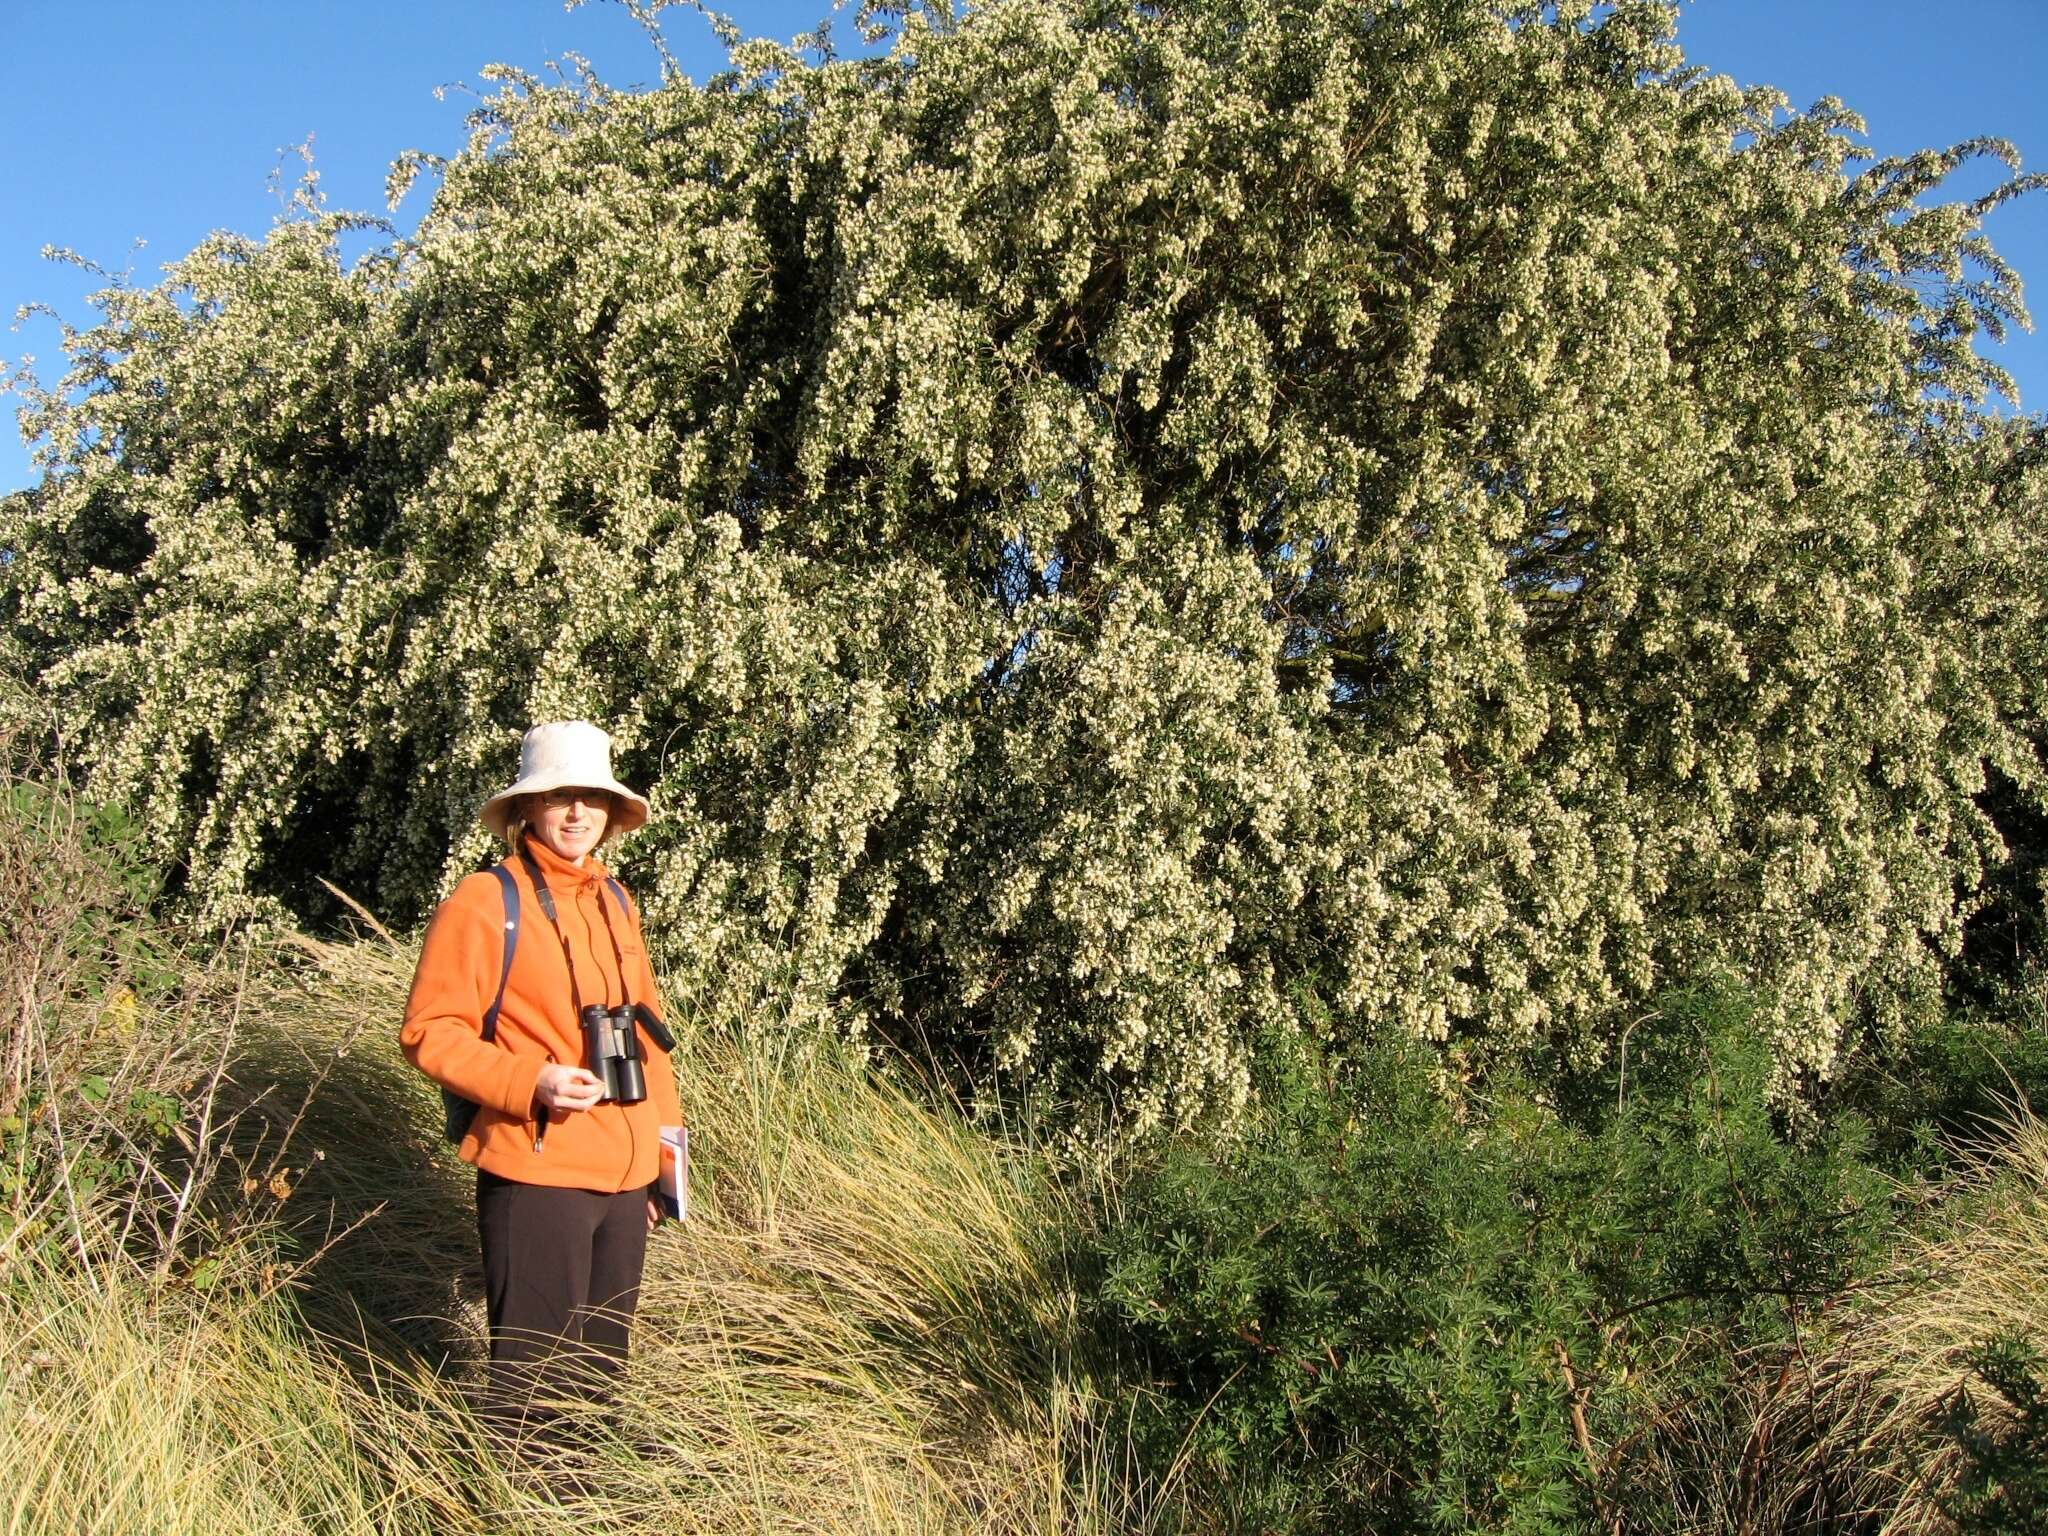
[[130, 1408], [1983, 1271]]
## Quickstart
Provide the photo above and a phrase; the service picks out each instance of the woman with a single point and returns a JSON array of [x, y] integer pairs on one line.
[[565, 1175]]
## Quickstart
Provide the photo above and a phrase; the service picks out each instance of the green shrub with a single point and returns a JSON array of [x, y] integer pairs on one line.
[[90, 1100], [2003, 1490], [1941, 1084], [1371, 1313]]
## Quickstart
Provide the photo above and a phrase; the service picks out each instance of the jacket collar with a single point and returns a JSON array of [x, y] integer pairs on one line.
[[559, 873]]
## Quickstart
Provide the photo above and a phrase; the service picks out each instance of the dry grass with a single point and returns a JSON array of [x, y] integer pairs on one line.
[[1845, 1429], [1979, 1270], [269, 1319], [129, 1408]]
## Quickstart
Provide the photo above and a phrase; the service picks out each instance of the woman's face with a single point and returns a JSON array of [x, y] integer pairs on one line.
[[569, 822]]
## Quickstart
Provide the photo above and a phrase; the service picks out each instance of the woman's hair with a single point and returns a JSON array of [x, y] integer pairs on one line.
[[515, 825], [516, 821]]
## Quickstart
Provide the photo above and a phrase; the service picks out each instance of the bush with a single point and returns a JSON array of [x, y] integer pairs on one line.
[[2004, 1487], [1099, 515], [90, 1101], [1937, 1090], [1370, 1313]]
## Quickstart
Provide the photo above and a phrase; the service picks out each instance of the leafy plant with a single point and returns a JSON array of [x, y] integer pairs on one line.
[[1372, 1313], [2004, 1488], [1097, 516]]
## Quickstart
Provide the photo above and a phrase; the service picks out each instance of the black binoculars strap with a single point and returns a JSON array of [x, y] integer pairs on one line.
[[546, 898], [643, 1015]]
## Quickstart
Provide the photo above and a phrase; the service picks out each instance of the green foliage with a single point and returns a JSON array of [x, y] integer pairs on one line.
[[1371, 1314], [1094, 516], [92, 867], [90, 1109], [1942, 1085], [2004, 1488]]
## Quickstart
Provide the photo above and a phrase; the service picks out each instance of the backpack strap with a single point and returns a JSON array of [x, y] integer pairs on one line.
[[510, 888], [457, 1113]]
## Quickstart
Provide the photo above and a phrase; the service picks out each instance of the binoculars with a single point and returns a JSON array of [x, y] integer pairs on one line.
[[611, 1047]]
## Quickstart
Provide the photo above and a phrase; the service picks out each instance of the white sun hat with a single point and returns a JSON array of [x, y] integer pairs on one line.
[[566, 754]]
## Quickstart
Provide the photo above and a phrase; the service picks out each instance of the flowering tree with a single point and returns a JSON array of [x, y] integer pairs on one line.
[[1106, 527]]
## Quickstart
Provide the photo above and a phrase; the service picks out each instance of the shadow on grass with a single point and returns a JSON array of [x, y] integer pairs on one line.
[[379, 1214]]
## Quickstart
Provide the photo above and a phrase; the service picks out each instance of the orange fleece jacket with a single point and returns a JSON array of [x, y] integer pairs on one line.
[[610, 1148]]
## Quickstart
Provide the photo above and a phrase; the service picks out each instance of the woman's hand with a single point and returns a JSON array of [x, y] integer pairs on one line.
[[564, 1087], [653, 1213]]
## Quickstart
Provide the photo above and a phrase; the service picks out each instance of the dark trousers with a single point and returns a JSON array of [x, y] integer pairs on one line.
[[561, 1280]]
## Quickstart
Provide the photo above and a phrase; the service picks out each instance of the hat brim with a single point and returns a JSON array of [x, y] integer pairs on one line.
[[629, 811]]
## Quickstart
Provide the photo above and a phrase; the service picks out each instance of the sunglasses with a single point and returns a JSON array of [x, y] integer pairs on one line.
[[562, 799]]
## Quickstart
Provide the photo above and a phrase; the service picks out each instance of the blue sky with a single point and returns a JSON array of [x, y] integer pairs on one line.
[[136, 120]]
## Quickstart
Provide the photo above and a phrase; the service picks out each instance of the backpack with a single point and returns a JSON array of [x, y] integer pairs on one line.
[[457, 1112]]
